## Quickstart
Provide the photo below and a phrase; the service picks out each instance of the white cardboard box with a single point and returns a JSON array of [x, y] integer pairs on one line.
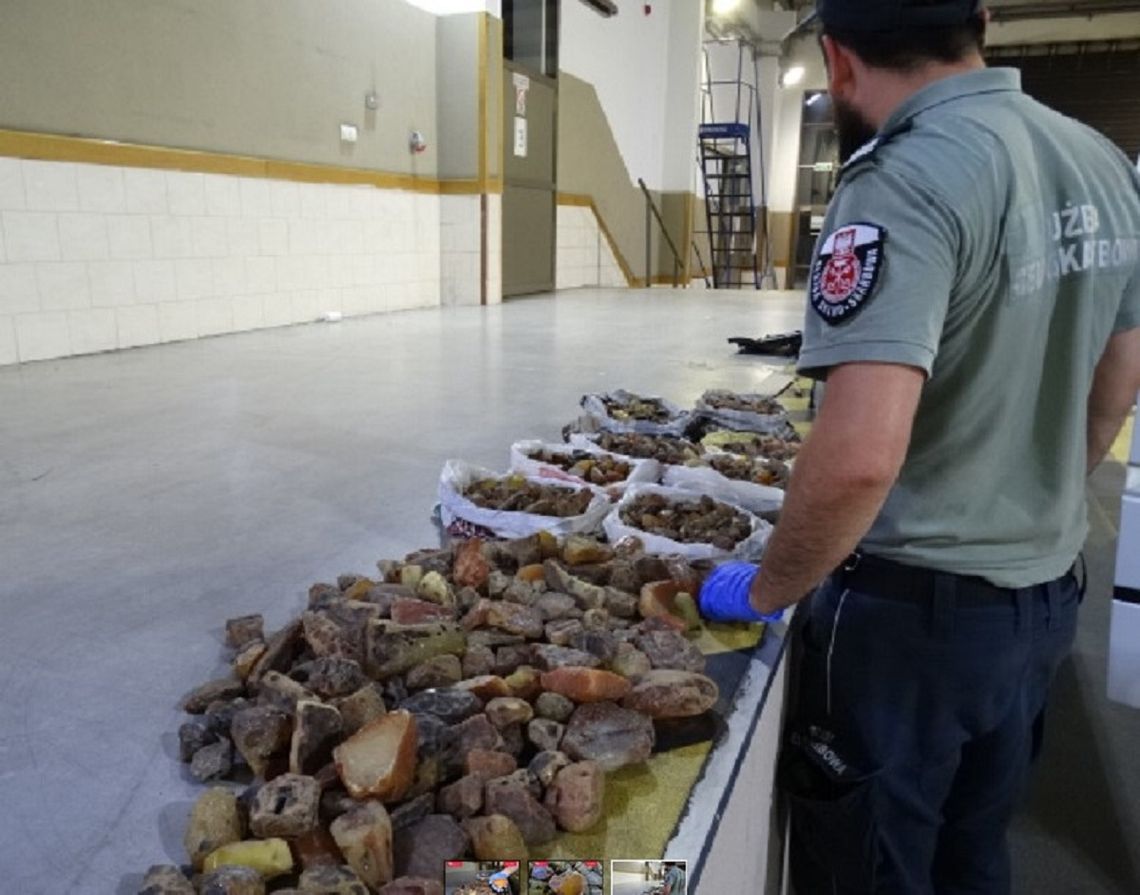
[[1128, 543], [1124, 654]]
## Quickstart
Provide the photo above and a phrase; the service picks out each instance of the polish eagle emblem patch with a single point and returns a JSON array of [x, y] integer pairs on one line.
[[846, 271]]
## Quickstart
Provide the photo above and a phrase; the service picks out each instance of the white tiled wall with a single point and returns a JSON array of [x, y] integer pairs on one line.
[[98, 257], [460, 250], [584, 256]]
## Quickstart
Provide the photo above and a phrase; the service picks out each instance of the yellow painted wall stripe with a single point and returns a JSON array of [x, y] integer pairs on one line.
[[59, 148]]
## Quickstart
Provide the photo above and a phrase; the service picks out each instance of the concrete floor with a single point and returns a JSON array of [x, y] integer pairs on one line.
[[145, 496]]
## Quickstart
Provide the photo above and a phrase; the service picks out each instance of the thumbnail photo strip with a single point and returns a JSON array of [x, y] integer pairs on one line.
[[566, 878], [484, 878], [654, 877]]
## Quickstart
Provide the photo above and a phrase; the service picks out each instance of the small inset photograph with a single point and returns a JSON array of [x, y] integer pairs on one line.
[[483, 878], [648, 877], [566, 878]]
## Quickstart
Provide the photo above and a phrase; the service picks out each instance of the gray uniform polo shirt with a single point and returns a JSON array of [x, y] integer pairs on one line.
[[994, 244]]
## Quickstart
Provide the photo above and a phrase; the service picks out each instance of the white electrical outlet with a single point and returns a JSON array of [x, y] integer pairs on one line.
[[348, 133]]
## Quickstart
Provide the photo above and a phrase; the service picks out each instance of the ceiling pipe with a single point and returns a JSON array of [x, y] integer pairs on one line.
[[1059, 11]]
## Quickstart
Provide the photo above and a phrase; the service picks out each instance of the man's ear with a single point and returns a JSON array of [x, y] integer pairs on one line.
[[840, 68]]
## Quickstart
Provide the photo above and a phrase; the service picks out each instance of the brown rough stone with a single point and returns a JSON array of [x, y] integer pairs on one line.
[[317, 848], [547, 657], [379, 760], [669, 649], [286, 807], [212, 762], [322, 592], [478, 661], [475, 733], [505, 711], [586, 684], [417, 612], [512, 798], [364, 836], [449, 704], [624, 577], [224, 689], [442, 671], [554, 706], [489, 763], [509, 658], [214, 822], [434, 587], [232, 880], [331, 880], [282, 692], [561, 632], [330, 676], [463, 798], [471, 568], [546, 735], [412, 811], [360, 708], [525, 621], [280, 650], [192, 736], [586, 595], [317, 730], [514, 739], [493, 639], [577, 795], [579, 551], [554, 606], [486, 688], [327, 637], [666, 693], [496, 838], [243, 630], [421, 849], [247, 658], [164, 879], [620, 604], [259, 733], [407, 885], [393, 649], [598, 643], [608, 734], [531, 574], [546, 765], [525, 682], [630, 662]]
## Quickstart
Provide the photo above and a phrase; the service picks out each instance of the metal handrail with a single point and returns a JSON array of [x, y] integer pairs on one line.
[[650, 213]]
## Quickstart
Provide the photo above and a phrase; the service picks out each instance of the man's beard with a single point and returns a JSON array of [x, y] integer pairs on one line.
[[854, 130]]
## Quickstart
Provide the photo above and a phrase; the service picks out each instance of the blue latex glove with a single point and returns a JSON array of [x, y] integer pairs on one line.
[[501, 881], [724, 595]]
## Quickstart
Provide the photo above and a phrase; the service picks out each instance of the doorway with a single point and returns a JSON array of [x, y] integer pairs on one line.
[[530, 91]]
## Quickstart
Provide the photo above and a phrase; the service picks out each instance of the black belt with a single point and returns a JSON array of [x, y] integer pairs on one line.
[[891, 580]]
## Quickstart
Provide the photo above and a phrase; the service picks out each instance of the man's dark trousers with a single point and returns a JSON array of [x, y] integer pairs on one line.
[[916, 718]]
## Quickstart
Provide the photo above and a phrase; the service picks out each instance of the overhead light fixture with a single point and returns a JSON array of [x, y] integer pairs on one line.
[[724, 7], [793, 76], [814, 98]]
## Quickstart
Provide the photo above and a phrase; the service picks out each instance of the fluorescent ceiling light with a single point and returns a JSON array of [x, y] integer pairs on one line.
[[793, 76], [814, 98], [724, 7]]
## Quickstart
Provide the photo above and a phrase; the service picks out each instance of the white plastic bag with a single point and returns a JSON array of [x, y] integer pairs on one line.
[[595, 406], [750, 549], [741, 420], [457, 476], [521, 462], [705, 480]]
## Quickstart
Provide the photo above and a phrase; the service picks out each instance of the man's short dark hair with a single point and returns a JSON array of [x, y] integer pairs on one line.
[[911, 48]]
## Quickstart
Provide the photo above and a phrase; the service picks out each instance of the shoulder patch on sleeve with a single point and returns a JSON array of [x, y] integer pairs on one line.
[[846, 271]]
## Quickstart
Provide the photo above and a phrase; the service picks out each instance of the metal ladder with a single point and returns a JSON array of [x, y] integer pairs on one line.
[[737, 230]]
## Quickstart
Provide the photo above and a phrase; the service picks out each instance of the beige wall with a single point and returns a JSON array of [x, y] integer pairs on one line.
[[457, 85], [590, 164], [258, 77]]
